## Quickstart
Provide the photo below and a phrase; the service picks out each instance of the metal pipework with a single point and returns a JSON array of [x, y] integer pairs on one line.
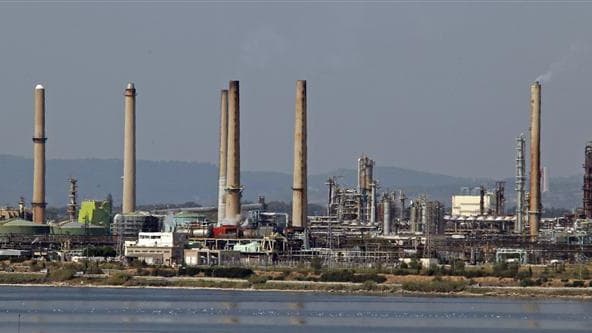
[[72, 199], [299, 184], [587, 202], [129, 150], [534, 209], [223, 153], [520, 180], [38, 203], [233, 187], [372, 219]]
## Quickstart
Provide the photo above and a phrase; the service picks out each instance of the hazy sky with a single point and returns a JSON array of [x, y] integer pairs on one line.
[[442, 87]]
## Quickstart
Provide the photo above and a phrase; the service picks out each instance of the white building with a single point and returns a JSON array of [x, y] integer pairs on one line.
[[157, 248], [470, 205]]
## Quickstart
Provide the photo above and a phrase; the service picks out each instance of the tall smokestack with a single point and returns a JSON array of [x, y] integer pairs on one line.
[[129, 151], [39, 140], [534, 209], [233, 188], [299, 185], [223, 153]]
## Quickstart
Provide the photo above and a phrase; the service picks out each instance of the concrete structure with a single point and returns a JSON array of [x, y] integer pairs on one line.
[[208, 257], [223, 155], [472, 205], [39, 140], [545, 177], [233, 187], [534, 208], [129, 151], [157, 248], [299, 184], [386, 209]]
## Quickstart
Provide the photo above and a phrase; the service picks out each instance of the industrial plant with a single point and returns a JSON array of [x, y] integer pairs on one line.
[[364, 224]]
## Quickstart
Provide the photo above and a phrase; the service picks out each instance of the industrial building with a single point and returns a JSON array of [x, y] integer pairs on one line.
[[363, 224], [157, 248]]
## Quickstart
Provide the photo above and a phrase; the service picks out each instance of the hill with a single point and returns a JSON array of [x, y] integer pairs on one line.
[[176, 182]]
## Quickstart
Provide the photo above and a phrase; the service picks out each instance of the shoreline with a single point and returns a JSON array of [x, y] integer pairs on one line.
[[564, 293]]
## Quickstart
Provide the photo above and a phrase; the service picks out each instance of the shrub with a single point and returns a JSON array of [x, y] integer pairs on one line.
[[316, 263], [62, 274], [368, 277], [229, 272], [578, 284], [527, 282], [16, 278], [458, 267], [163, 272], [118, 278], [258, 279], [337, 276], [369, 285], [435, 285], [404, 265], [349, 276], [507, 270]]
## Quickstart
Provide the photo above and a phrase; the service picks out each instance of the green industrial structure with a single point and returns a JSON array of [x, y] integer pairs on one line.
[[95, 212]]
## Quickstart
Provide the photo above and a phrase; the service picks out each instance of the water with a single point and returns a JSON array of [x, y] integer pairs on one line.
[[69, 310]]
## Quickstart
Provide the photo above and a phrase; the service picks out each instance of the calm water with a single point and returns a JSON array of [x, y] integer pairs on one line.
[[69, 310]]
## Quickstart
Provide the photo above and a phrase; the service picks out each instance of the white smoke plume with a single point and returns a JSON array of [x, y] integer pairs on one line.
[[576, 54]]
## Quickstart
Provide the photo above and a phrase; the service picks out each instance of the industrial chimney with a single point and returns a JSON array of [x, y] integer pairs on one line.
[[223, 153], [534, 209], [129, 151], [233, 187], [299, 185], [39, 140]]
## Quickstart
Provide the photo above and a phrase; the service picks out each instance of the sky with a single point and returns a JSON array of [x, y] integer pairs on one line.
[[432, 86]]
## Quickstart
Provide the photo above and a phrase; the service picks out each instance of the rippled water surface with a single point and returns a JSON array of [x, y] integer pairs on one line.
[[69, 310]]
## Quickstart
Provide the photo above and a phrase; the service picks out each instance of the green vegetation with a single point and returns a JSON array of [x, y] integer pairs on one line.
[[21, 278], [105, 251], [216, 271], [350, 276], [436, 285], [62, 274]]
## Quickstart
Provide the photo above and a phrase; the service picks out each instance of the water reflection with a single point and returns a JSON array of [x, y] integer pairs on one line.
[[67, 310]]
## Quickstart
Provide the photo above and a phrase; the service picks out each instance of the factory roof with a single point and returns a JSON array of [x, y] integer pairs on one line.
[[20, 222]]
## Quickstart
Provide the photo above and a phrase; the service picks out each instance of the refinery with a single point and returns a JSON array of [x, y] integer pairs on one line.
[[362, 226]]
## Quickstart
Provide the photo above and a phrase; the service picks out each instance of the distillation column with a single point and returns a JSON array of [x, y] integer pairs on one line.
[[129, 151], [520, 180], [587, 204], [299, 185], [233, 187], [534, 209], [39, 140], [223, 152], [386, 207]]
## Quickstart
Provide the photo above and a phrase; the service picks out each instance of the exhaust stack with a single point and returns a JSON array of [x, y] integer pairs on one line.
[[534, 209], [299, 184], [129, 151], [233, 187], [39, 140], [223, 153]]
